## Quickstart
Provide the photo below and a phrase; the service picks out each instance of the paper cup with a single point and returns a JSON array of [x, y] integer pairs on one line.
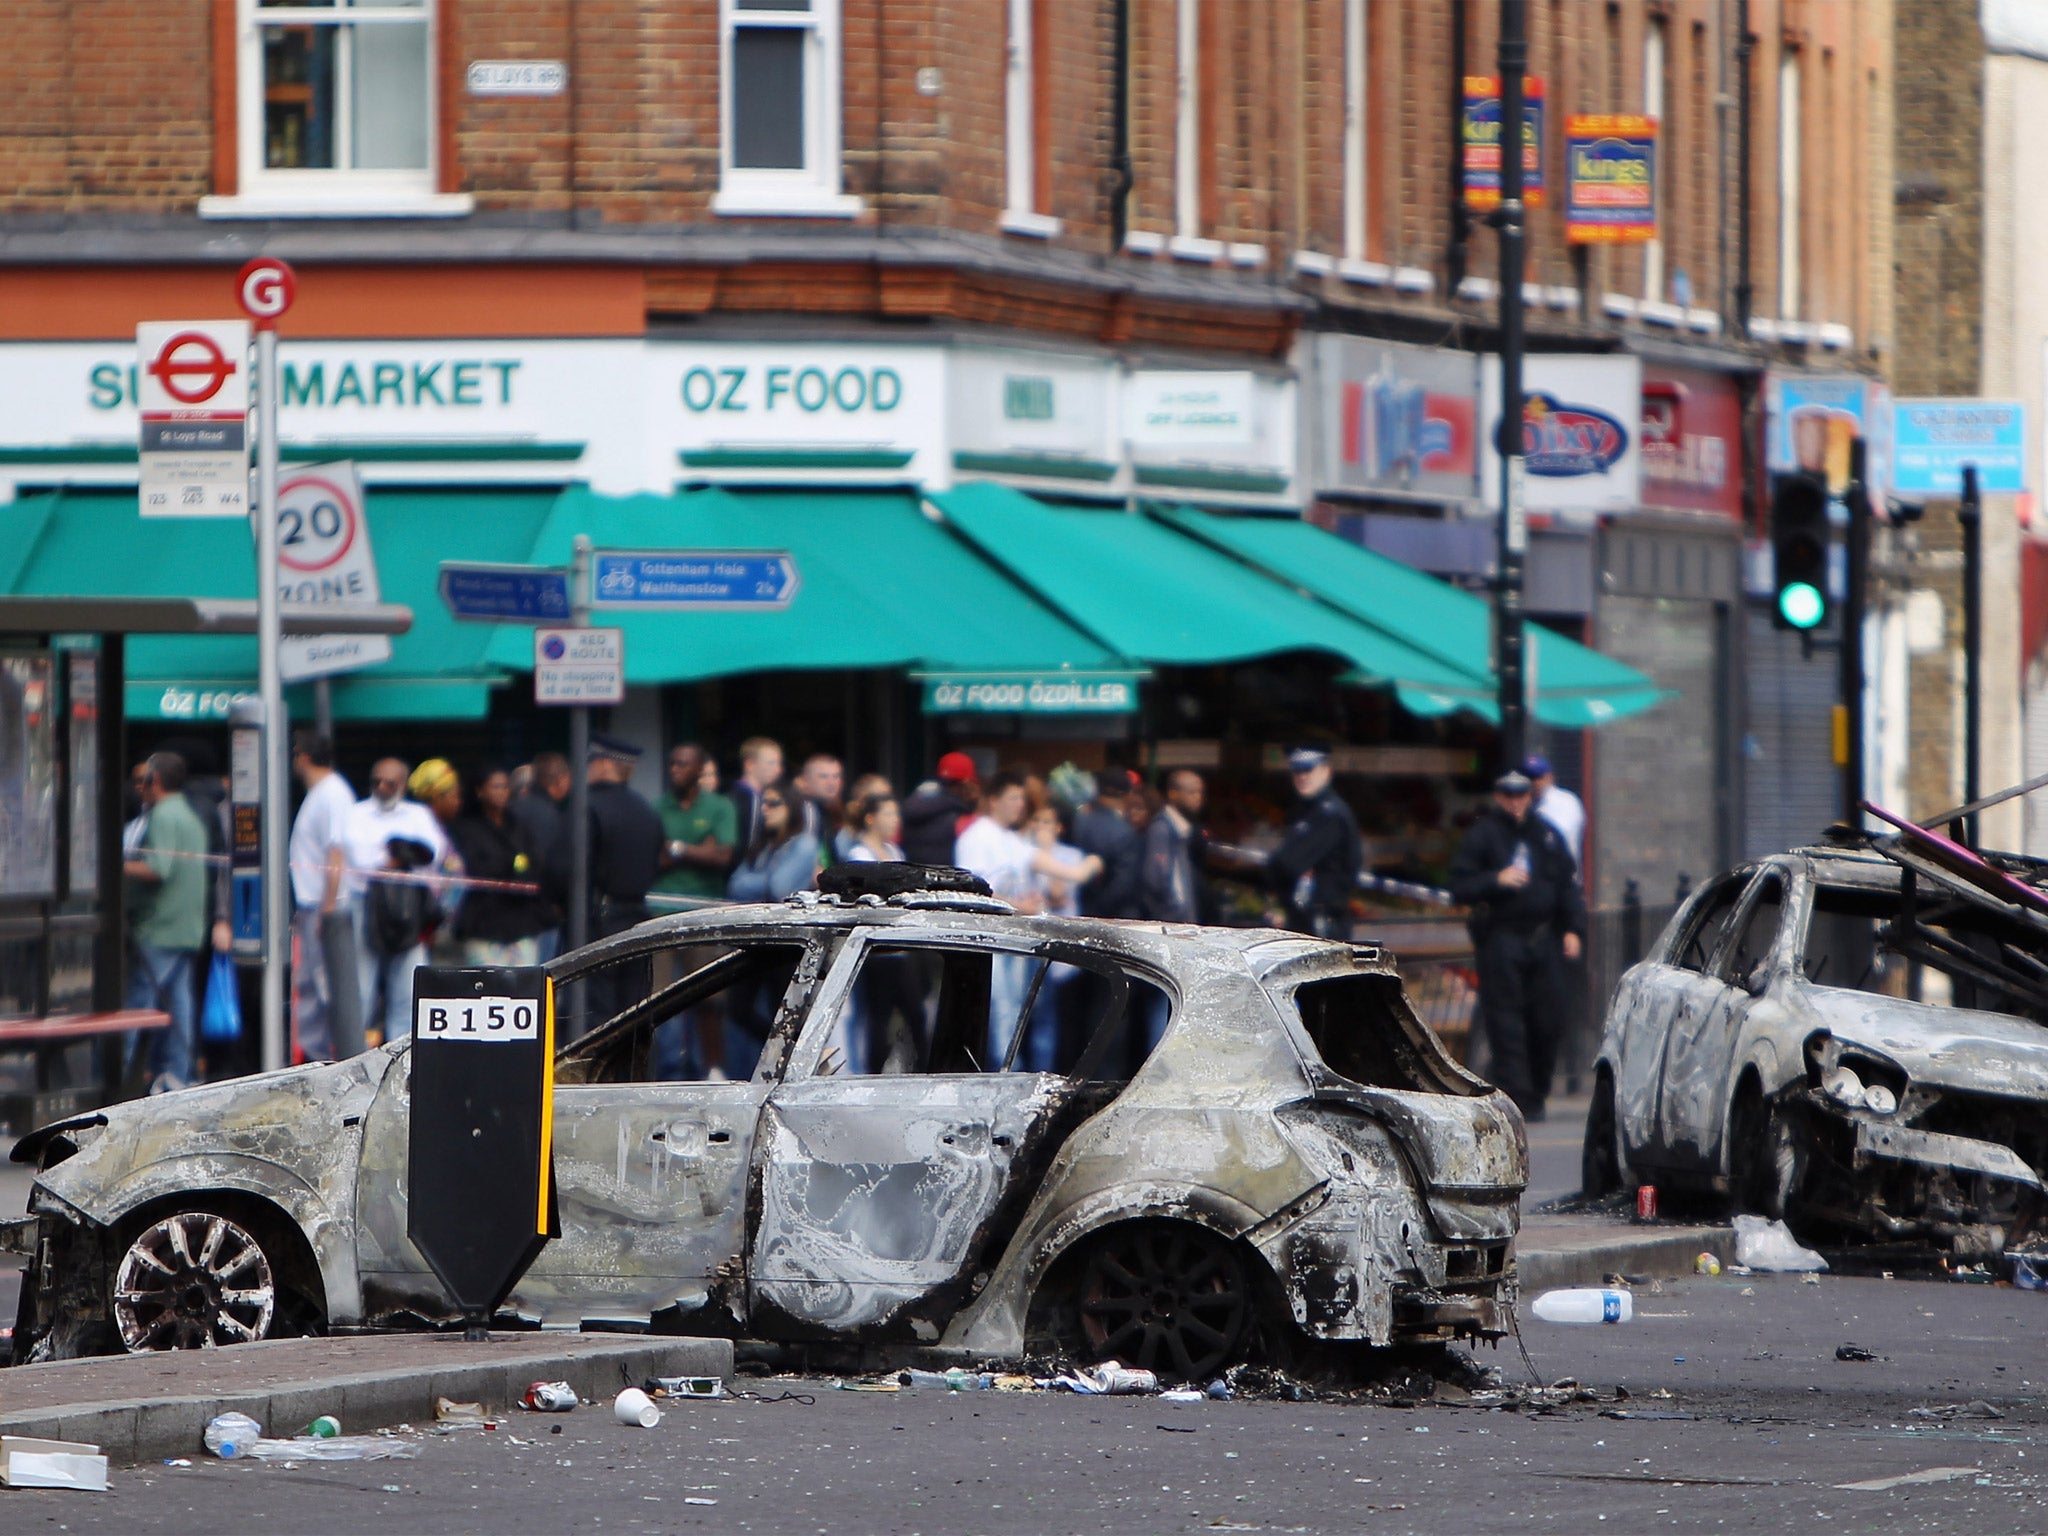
[[632, 1406]]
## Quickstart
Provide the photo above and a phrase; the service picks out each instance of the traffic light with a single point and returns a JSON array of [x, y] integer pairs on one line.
[[1799, 551]]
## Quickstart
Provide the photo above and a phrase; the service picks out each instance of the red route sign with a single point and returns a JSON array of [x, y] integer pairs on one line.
[[191, 354]]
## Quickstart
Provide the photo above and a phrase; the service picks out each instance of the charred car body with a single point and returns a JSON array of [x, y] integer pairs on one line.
[[1852, 1037], [1296, 1157]]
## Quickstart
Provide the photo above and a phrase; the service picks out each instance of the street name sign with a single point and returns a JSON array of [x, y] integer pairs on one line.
[[1933, 439], [579, 666], [510, 594], [480, 1144], [192, 393], [705, 580], [323, 556]]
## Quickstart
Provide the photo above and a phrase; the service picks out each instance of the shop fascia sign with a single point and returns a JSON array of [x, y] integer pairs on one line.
[[1581, 431], [1030, 693], [1399, 420]]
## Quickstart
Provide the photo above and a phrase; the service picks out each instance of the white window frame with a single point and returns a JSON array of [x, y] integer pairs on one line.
[[1790, 156], [813, 192], [1655, 59], [264, 192], [1021, 213], [1355, 101]]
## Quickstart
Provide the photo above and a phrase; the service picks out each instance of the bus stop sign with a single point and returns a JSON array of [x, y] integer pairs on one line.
[[481, 1155]]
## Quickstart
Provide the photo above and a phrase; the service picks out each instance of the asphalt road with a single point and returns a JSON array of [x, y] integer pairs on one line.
[[1774, 1424]]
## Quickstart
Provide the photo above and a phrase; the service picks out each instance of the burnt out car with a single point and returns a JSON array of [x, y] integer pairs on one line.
[[1296, 1158], [1853, 1038]]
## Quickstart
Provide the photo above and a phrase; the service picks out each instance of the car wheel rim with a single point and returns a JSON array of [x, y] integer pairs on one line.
[[193, 1281], [1164, 1300]]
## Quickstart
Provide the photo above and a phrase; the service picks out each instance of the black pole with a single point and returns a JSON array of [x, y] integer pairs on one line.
[[1857, 495], [1745, 291], [1970, 513], [1123, 177], [1514, 533]]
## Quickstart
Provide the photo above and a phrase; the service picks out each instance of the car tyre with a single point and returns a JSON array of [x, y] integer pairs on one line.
[[1762, 1161], [194, 1279], [1600, 1172], [1164, 1296]]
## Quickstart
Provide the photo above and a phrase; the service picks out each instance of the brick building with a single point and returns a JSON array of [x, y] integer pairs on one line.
[[632, 226]]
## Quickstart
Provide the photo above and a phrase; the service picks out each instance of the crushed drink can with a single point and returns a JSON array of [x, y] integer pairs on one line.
[[550, 1397], [1646, 1202]]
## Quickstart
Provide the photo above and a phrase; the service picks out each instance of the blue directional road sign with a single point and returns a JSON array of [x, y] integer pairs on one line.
[[749, 580], [517, 594]]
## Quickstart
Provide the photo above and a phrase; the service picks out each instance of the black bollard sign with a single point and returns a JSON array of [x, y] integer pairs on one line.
[[481, 1153]]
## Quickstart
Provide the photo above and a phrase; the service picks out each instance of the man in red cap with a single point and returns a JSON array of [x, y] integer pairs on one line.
[[938, 809]]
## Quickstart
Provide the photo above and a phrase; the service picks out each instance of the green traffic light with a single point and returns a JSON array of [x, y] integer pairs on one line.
[[1801, 604]]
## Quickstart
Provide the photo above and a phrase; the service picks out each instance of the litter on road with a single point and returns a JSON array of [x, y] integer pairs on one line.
[[1909, 1479], [1769, 1247], [26, 1462], [1584, 1306]]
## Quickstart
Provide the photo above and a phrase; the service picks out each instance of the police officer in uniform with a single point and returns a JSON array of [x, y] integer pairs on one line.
[[626, 840], [1521, 882], [1315, 869]]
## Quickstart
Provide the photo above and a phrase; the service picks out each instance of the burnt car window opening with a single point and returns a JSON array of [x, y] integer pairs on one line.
[[1857, 939], [1747, 961], [935, 1010], [1702, 936], [741, 987], [1357, 1025]]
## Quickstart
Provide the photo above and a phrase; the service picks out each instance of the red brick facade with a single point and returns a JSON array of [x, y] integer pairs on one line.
[[113, 110]]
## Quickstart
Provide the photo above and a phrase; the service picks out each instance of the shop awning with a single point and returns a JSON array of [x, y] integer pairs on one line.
[[1160, 597], [95, 543], [1575, 686], [878, 584]]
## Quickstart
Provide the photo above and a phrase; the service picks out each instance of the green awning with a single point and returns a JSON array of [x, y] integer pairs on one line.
[[879, 584], [1575, 686], [95, 543], [1161, 598]]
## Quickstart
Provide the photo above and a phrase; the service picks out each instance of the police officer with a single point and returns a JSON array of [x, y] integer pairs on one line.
[[626, 840], [1520, 880], [1315, 869]]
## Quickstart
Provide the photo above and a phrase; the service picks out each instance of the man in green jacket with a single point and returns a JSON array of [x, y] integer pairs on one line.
[[167, 897]]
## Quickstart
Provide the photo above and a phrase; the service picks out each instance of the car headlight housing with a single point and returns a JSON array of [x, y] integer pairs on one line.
[[1854, 1079]]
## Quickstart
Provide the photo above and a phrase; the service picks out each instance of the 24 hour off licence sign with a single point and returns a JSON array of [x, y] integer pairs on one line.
[[192, 391]]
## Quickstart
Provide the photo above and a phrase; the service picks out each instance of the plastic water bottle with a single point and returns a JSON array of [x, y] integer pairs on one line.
[[1584, 1306], [231, 1434]]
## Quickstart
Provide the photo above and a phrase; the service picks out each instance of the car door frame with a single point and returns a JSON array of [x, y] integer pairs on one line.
[[1017, 1124], [1661, 987], [691, 1127], [1691, 1124]]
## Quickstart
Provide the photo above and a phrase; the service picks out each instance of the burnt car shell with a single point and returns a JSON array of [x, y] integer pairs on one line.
[[1848, 1110], [1294, 1107]]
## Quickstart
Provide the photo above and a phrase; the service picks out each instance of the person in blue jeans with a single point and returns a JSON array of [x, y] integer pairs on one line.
[[166, 877]]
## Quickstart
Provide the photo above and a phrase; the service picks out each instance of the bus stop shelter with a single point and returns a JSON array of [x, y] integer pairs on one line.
[[63, 961]]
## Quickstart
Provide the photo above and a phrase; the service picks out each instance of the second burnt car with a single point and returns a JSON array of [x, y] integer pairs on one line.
[[1852, 1037], [1295, 1159]]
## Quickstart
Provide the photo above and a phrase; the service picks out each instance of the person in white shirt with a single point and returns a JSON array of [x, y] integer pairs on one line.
[[327, 1010], [1560, 807], [991, 846], [385, 978]]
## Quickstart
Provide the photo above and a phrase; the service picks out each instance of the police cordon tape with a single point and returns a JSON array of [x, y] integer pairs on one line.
[[440, 882]]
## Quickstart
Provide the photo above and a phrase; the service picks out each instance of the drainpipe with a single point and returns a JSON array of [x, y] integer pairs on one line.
[[1120, 150], [1461, 219], [1745, 47]]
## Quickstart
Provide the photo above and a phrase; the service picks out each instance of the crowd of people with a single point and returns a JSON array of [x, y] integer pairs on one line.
[[479, 874]]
